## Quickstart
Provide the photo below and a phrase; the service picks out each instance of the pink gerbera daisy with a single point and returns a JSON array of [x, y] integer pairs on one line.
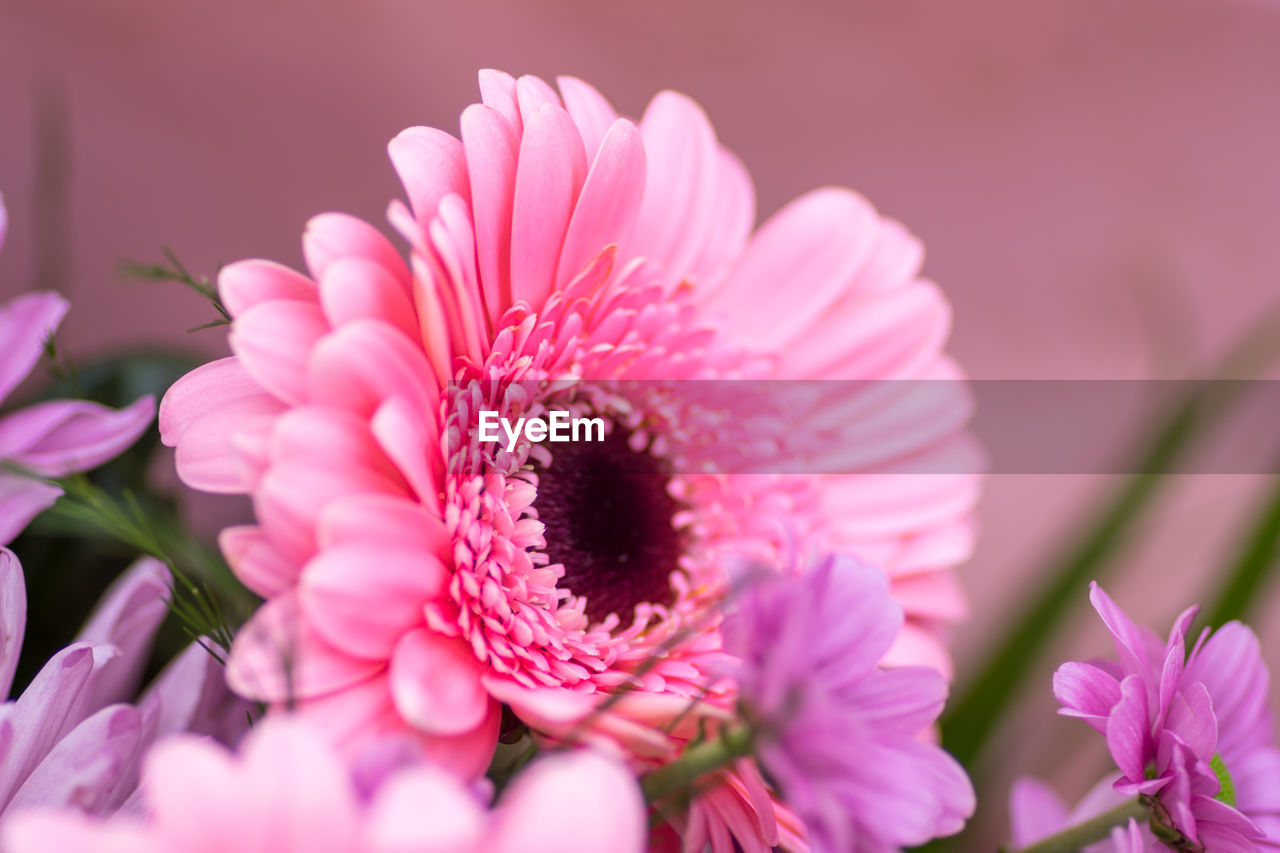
[[414, 582]]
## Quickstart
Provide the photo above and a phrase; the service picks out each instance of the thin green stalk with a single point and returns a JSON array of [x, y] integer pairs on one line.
[[1252, 566], [697, 761], [1080, 836]]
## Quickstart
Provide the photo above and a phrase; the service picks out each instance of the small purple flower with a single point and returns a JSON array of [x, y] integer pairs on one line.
[[1192, 733], [844, 739], [71, 739], [50, 439]]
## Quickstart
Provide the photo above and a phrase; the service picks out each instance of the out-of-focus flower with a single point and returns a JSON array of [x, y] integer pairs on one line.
[[1037, 812], [1193, 734], [843, 738], [72, 739], [55, 438], [413, 582], [288, 790]]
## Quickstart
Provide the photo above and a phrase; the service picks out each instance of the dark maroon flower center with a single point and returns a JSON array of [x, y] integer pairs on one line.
[[608, 521]]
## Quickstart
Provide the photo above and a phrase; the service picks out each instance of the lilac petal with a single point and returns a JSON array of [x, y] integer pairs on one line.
[[25, 324], [126, 617], [22, 499], [85, 769], [902, 701], [1191, 719], [1209, 810], [863, 615], [1257, 782], [1087, 692], [193, 696], [1128, 839], [64, 436], [13, 616], [1128, 730], [42, 714], [1175, 657], [1035, 812], [1230, 666], [1131, 642]]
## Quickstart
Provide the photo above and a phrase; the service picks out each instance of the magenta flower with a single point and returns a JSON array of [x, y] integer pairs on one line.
[[287, 790], [50, 439], [71, 739], [415, 585], [844, 738], [1192, 733]]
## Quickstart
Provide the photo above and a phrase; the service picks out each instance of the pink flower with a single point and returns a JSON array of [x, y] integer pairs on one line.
[[71, 740], [50, 439], [844, 739], [1192, 733], [413, 582], [287, 790]]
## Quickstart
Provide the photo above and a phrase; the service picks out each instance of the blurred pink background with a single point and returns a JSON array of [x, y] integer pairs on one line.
[[1096, 182]]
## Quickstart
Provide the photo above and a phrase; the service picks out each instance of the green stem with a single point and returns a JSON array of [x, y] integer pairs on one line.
[[696, 762], [1091, 831]]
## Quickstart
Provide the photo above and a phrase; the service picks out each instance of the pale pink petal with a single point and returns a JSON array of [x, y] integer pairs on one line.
[[206, 389], [594, 795], [397, 823], [244, 284], [551, 170], [256, 562], [1087, 692], [732, 218], [431, 165], [1035, 812], [435, 682], [216, 454], [41, 831], [273, 341], [533, 93], [191, 695], [385, 519], [25, 324]]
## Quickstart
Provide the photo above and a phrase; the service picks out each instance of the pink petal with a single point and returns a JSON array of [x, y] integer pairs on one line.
[[609, 201], [1086, 692], [498, 92], [551, 170], [206, 389], [331, 237], [492, 150], [407, 438], [256, 562], [431, 165], [435, 682], [364, 598], [384, 519], [1128, 732], [278, 657], [41, 831], [214, 453], [680, 185], [191, 695], [244, 284], [355, 288], [25, 324], [732, 218], [533, 93], [797, 265], [1035, 812], [589, 110], [274, 341], [366, 362]]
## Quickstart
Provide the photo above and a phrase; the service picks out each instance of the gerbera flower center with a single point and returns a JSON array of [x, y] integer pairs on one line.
[[608, 520]]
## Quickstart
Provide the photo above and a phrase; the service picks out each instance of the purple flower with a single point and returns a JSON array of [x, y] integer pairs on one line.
[[1036, 812], [844, 739], [50, 439], [1190, 732], [71, 739]]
